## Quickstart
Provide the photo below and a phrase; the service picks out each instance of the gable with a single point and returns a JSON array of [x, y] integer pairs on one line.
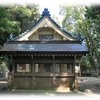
[[48, 27]]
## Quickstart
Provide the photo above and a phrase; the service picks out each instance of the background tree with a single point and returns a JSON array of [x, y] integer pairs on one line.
[[93, 13], [6, 25], [90, 27], [15, 19], [71, 15], [55, 18], [87, 23], [24, 14]]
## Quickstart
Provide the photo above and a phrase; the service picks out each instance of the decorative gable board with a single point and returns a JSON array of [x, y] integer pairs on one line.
[[43, 26]]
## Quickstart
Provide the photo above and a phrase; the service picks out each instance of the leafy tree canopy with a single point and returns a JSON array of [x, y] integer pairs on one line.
[[6, 25], [15, 19], [85, 20], [72, 14]]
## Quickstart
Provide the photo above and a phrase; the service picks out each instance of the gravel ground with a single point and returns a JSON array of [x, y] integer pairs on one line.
[[89, 84]]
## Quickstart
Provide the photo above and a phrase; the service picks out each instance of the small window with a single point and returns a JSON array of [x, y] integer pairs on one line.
[[64, 68], [23, 67], [46, 37], [47, 67], [69, 67]]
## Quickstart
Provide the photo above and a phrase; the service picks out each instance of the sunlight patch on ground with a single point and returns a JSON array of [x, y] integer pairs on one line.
[[68, 90]]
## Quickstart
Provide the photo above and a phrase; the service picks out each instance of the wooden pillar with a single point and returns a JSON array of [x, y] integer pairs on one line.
[[54, 67], [32, 75], [11, 76], [73, 71], [54, 78], [73, 67], [76, 81], [9, 81], [77, 60], [13, 67], [33, 67], [79, 67]]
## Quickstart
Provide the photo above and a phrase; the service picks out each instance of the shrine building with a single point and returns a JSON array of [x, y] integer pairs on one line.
[[44, 56]]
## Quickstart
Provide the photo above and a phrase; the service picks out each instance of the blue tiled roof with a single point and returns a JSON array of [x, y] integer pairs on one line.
[[46, 13], [47, 46]]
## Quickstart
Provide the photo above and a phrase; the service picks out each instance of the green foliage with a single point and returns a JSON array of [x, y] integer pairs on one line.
[[71, 15], [5, 25], [24, 14], [85, 65], [92, 12], [85, 20], [27, 22], [3, 59], [16, 19], [95, 22], [88, 29]]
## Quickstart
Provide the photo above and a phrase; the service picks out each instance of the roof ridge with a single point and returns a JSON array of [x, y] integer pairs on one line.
[[46, 13]]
